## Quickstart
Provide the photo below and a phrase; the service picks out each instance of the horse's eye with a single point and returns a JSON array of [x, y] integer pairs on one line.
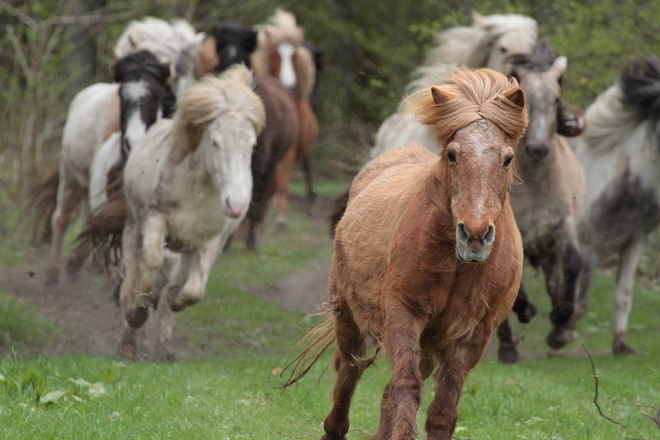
[[452, 157], [503, 49], [215, 145], [507, 162]]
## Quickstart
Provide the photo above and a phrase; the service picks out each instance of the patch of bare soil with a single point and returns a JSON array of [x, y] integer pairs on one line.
[[91, 324]]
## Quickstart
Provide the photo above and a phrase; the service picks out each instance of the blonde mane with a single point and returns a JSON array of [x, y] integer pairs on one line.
[[210, 98], [470, 96], [468, 46]]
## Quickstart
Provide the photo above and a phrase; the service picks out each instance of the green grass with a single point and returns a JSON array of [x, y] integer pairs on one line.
[[234, 395]]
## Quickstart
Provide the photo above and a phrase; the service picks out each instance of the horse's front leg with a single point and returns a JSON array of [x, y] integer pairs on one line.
[[202, 260], [564, 304], [130, 252], [623, 295], [154, 231], [175, 271], [457, 362], [403, 394]]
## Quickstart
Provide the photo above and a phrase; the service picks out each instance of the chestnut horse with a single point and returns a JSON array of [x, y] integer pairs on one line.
[[281, 54], [428, 257]]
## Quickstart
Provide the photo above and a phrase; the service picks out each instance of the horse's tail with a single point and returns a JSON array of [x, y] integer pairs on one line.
[[316, 342], [103, 230], [42, 201], [338, 209], [640, 83]]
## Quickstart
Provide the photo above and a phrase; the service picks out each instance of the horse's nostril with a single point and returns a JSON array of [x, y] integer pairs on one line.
[[461, 234], [490, 235]]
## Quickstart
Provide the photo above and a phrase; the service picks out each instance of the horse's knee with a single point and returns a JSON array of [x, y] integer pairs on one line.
[[190, 294], [408, 387], [573, 262]]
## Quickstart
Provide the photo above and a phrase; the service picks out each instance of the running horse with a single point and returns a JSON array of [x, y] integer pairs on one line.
[[428, 258], [95, 115], [547, 201], [280, 53], [620, 153]]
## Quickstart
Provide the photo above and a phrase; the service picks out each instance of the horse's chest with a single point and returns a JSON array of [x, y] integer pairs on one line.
[[195, 220]]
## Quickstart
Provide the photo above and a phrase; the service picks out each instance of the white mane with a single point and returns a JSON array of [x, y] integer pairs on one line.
[[213, 96], [609, 123], [150, 33], [468, 46]]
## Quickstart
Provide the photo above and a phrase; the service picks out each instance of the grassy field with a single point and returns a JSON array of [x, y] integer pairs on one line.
[[233, 393]]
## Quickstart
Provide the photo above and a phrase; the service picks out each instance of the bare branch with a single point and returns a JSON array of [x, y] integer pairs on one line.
[[90, 19], [22, 16], [593, 368], [19, 53], [655, 419]]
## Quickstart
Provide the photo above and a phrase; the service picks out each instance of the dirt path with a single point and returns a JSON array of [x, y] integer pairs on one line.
[[90, 322]]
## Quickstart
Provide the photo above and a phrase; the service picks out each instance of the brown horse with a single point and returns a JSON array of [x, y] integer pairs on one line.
[[232, 44], [281, 54], [428, 258]]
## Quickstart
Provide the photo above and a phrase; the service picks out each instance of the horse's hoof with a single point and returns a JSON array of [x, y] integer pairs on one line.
[[281, 226], [620, 348], [74, 265], [137, 316], [164, 354], [507, 354], [559, 337], [526, 315], [127, 350]]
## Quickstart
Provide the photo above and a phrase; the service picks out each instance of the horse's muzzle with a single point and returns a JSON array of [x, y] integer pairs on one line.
[[474, 246]]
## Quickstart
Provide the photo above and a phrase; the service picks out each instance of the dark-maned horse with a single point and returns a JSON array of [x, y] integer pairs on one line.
[[547, 202], [233, 44], [142, 90], [428, 258], [620, 152]]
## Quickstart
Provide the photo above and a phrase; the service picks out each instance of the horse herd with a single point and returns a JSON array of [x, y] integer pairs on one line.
[[430, 239]]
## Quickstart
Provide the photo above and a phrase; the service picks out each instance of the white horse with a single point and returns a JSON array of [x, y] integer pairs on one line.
[[94, 115], [187, 185], [620, 153], [487, 43]]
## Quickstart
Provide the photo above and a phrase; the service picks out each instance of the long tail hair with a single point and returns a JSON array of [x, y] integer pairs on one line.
[[42, 201], [104, 227], [315, 343], [640, 82]]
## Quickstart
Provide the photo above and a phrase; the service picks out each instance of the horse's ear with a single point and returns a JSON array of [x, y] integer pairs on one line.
[[516, 96], [439, 96], [570, 122], [559, 66], [208, 56]]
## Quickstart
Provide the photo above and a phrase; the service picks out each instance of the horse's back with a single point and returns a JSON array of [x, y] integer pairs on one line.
[[281, 128], [397, 160], [92, 117], [402, 129]]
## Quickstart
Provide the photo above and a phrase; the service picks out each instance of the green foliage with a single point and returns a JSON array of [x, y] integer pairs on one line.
[[371, 49]]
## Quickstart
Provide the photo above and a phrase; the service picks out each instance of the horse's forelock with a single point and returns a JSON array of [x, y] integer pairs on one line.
[[213, 96], [471, 96], [539, 59]]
